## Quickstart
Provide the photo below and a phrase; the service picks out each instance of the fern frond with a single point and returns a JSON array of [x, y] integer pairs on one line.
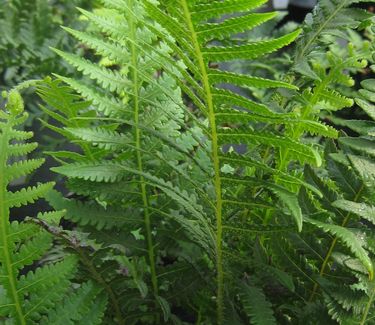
[[205, 11], [247, 51], [218, 77], [22, 168], [85, 303], [350, 240], [107, 78], [257, 308], [26, 195], [298, 151], [100, 217], [103, 138], [29, 289], [186, 22], [362, 145], [232, 26], [360, 209]]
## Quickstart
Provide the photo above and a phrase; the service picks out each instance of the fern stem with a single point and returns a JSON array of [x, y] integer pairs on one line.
[[138, 136], [333, 245], [216, 162], [368, 307], [301, 53], [4, 219]]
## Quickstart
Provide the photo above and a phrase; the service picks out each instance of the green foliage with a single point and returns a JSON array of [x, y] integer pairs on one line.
[[257, 308], [28, 28], [194, 194]]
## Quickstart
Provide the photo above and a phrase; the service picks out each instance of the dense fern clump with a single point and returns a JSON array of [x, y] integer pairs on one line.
[[146, 117], [32, 293], [191, 193]]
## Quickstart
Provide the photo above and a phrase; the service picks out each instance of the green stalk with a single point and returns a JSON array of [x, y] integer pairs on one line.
[[138, 146], [368, 307], [333, 245], [302, 52], [215, 160], [4, 224]]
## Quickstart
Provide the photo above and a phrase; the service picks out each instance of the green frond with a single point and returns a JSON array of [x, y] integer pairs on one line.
[[368, 84], [205, 11], [20, 231], [218, 77], [34, 282], [233, 202], [61, 98], [362, 210], [350, 240], [154, 175], [367, 94], [100, 217], [82, 304], [367, 107], [298, 151], [52, 218], [317, 128], [22, 168], [21, 149], [236, 160], [32, 250], [96, 313], [110, 172], [232, 26], [330, 16], [290, 200], [257, 307], [226, 97], [27, 195], [29, 289], [335, 100], [259, 229], [109, 79], [364, 167], [248, 51], [107, 105], [113, 51], [20, 135], [359, 144], [350, 185], [103, 138]]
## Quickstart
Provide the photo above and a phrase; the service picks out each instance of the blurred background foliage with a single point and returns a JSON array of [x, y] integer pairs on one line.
[[28, 29]]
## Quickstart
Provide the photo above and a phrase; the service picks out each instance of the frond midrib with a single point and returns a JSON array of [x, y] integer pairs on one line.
[[215, 159], [4, 216], [138, 145]]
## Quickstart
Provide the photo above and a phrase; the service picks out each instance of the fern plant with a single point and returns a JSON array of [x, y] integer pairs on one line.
[[131, 143], [169, 221], [136, 135], [31, 292], [187, 22]]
